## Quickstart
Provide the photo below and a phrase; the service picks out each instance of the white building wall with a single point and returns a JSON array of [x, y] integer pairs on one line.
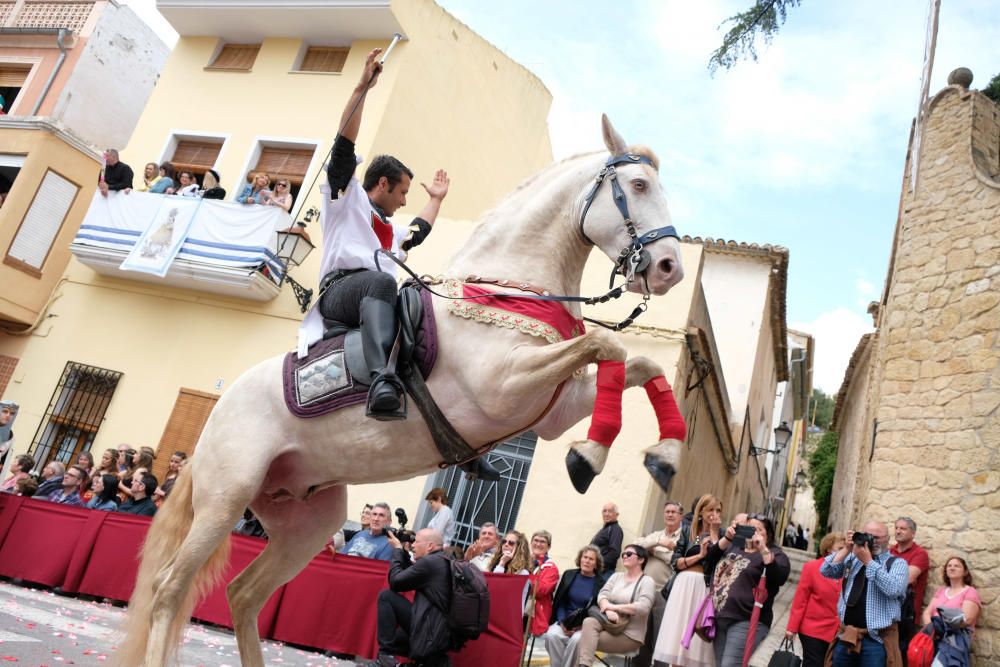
[[736, 290], [113, 79]]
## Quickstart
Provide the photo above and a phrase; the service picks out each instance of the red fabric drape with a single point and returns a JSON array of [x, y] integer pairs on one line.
[[330, 605]]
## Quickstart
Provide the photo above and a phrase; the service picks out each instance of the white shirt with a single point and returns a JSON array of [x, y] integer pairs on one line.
[[349, 242], [189, 190], [444, 521]]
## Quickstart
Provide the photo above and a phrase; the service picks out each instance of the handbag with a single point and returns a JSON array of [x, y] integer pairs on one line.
[[574, 619], [702, 622], [785, 655], [609, 626]]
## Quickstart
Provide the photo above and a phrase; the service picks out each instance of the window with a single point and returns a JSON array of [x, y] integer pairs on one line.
[[284, 163], [238, 57], [10, 167], [196, 156], [324, 59], [191, 410], [75, 413], [7, 366], [12, 78], [42, 223], [476, 502]]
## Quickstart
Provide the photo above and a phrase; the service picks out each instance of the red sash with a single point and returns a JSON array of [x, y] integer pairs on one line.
[[552, 313], [383, 231]]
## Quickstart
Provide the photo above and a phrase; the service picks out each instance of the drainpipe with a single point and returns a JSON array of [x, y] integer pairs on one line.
[[60, 34]]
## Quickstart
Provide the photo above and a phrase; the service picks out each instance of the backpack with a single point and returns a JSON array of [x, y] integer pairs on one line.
[[921, 650], [907, 610], [469, 614]]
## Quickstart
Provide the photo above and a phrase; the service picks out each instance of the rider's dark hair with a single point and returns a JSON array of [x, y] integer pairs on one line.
[[388, 166]]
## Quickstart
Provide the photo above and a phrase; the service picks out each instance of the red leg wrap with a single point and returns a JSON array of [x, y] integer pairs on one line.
[[607, 420], [667, 415]]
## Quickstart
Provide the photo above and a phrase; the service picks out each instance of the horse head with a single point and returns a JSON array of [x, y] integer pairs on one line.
[[630, 222]]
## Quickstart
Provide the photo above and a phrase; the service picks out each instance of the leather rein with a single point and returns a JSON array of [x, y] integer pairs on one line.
[[632, 259]]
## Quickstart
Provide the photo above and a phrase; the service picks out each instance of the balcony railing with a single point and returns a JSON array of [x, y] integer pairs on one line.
[[228, 249]]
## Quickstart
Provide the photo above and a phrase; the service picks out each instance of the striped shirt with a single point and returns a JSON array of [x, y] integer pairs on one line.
[[886, 589]]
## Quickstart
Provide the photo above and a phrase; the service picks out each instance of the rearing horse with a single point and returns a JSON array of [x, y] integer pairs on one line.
[[293, 472]]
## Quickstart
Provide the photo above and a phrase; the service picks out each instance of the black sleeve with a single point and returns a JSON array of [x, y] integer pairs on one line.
[[419, 229], [407, 576], [615, 543], [123, 178], [341, 167]]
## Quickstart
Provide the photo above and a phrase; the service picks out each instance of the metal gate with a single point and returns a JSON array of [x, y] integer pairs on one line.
[[476, 502], [74, 415]]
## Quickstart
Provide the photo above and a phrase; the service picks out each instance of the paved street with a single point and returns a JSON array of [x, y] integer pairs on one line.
[[39, 628]]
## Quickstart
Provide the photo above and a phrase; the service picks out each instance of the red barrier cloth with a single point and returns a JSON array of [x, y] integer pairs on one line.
[[330, 605]]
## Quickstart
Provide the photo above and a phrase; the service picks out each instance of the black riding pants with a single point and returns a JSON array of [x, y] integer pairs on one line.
[[342, 301]]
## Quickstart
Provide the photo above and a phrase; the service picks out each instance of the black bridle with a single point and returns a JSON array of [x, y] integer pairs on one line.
[[634, 258]]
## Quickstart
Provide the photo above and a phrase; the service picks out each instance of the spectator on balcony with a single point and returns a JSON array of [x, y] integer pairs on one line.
[[69, 494], [20, 469], [150, 175], [211, 184], [52, 477], [165, 184], [116, 176], [141, 501], [255, 191], [281, 196], [105, 488], [188, 184]]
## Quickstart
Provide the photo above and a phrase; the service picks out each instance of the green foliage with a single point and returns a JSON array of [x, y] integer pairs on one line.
[[992, 90], [822, 464], [821, 409], [763, 19]]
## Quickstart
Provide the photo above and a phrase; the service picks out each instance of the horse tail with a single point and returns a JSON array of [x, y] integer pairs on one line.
[[166, 535]]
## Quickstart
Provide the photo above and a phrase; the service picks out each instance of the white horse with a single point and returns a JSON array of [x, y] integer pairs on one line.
[[490, 382]]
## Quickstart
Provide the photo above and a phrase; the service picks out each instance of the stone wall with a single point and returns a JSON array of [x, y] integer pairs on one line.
[[853, 427], [936, 374]]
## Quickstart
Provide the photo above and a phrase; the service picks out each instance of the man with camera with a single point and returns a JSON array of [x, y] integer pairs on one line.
[[374, 542], [871, 595], [419, 630]]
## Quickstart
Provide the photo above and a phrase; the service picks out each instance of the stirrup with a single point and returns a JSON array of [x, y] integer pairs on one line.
[[386, 413]]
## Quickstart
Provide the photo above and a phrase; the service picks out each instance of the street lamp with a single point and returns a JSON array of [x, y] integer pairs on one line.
[[801, 479], [781, 436], [294, 245]]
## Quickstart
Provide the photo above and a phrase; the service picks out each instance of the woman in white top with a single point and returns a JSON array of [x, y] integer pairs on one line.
[[444, 518], [189, 185]]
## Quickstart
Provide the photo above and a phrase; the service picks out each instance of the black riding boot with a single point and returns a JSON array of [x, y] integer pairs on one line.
[[378, 334]]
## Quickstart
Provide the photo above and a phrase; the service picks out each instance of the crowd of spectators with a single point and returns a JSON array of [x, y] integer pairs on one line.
[[122, 482]]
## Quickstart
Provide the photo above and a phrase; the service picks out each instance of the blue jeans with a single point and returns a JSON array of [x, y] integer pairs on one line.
[[872, 654]]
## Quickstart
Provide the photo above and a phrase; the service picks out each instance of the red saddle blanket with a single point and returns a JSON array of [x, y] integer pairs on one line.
[[322, 381]]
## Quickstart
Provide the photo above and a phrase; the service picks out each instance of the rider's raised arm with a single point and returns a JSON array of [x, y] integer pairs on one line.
[[421, 225], [342, 164]]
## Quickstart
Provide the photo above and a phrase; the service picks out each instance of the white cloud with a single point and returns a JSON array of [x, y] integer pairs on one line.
[[867, 291], [146, 9], [836, 333]]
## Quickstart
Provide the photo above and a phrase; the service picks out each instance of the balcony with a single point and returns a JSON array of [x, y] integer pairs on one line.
[[228, 249], [313, 21]]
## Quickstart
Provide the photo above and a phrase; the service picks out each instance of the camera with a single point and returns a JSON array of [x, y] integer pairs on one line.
[[402, 534], [743, 533], [861, 538]]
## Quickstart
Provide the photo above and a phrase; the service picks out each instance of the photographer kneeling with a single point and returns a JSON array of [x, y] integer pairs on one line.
[[420, 630], [870, 599]]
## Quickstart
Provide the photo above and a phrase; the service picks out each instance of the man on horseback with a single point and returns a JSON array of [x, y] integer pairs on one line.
[[355, 217]]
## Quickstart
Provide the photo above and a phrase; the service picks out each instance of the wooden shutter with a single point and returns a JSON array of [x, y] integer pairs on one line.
[[290, 163], [43, 221], [191, 410], [196, 156], [7, 366], [324, 59], [236, 56], [13, 76]]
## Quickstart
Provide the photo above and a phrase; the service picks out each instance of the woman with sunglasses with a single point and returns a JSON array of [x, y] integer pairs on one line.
[[690, 587], [280, 196], [626, 595], [738, 571], [513, 557]]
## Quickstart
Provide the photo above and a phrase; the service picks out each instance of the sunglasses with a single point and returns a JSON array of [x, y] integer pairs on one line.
[[283, 185], [628, 554], [512, 543], [756, 517]]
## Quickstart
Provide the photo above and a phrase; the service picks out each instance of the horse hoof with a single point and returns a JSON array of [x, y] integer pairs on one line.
[[580, 471], [662, 472]]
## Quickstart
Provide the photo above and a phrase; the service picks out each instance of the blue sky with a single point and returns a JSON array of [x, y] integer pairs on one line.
[[803, 149]]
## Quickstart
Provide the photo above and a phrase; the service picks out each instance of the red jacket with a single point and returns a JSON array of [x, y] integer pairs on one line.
[[814, 609], [544, 580]]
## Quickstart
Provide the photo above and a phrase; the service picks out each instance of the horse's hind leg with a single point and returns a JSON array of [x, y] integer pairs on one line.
[[297, 531]]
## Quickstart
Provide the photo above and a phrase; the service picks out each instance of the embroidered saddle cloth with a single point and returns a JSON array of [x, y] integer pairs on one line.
[[333, 374]]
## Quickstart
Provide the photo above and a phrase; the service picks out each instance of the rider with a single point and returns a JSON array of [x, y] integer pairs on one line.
[[355, 220]]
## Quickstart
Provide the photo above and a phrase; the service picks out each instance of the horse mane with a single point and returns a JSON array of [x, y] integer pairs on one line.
[[645, 151]]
